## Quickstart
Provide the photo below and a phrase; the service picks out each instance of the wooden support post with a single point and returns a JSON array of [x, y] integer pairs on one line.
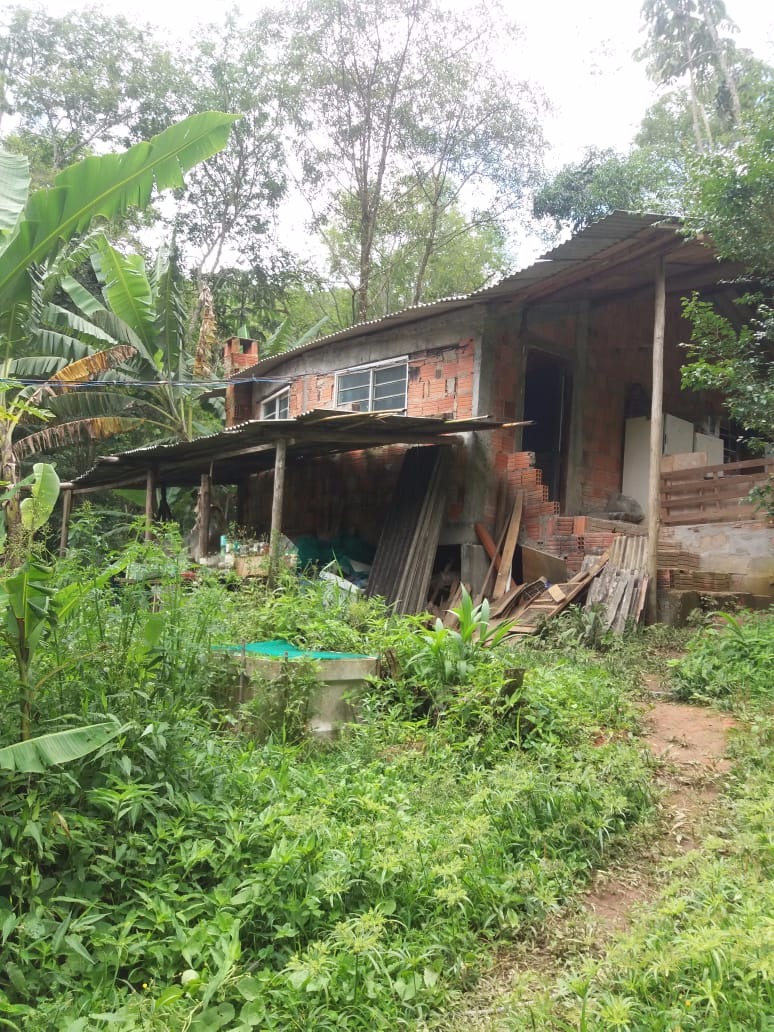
[[205, 495], [656, 438], [67, 505], [276, 509], [150, 501]]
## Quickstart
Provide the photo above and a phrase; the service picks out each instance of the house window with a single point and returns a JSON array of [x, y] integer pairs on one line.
[[277, 407], [376, 388]]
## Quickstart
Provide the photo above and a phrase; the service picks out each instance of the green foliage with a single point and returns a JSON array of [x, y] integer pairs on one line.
[[731, 658], [730, 199], [605, 181], [105, 186], [36, 510], [578, 627], [700, 957], [447, 656], [730, 192], [62, 109], [37, 755], [186, 878], [410, 115], [735, 362]]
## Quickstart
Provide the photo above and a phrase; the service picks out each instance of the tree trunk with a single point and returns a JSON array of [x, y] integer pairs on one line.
[[9, 478], [720, 56]]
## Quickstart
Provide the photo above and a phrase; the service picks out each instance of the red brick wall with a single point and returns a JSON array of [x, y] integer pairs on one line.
[[440, 383]]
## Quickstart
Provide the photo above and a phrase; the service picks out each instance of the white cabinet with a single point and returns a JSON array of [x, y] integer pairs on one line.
[[679, 437]]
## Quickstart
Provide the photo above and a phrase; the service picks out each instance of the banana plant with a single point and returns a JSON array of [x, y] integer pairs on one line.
[[37, 755], [35, 228], [140, 308]]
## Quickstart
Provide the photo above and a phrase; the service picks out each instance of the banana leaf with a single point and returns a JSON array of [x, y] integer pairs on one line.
[[37, 755]]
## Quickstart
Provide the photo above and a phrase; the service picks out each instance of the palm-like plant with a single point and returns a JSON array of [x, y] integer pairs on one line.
[[141, 309], [34, 230]]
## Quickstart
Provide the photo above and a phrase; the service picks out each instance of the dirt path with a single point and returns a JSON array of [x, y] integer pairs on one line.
[[691, 744]]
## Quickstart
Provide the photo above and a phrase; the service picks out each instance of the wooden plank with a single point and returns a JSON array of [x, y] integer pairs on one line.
[[708, 490], [537, 564], [737, 514], [67, 505], [556, 593], [150, 500], [545, 608], [492, 570], [683, 460], [205, 487], [278, 494], [509, 547], [487, 541], [725, 469]]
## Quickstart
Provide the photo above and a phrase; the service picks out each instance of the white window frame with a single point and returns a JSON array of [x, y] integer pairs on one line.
[[370, 367], [274, 399]]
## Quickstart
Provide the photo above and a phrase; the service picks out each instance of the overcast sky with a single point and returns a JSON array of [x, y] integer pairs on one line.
[[580, 53]]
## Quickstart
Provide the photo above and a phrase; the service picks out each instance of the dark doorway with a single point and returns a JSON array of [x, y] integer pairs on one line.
[[547, 394]]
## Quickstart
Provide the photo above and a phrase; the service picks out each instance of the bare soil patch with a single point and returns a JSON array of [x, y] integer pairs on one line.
[[690, 744]]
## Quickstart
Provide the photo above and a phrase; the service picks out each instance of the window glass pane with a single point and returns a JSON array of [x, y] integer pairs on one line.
[[354, 388], [389, 388], [277, 408]]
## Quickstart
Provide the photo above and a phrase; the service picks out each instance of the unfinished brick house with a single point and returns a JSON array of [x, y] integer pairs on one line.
[[566, 343], [543, 383]]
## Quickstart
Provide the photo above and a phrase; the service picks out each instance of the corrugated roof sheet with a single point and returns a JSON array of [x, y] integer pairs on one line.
[[318, 432], [593, 240]]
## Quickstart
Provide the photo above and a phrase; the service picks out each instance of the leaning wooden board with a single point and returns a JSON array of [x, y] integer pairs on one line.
[[529, 618]]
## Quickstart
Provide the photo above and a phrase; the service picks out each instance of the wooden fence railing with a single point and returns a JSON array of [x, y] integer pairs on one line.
[[712, 494]]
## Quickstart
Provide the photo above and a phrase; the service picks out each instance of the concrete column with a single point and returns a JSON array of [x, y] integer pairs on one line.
[[574, 493]]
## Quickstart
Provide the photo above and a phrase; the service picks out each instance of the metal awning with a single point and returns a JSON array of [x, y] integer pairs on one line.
[[238, 452]]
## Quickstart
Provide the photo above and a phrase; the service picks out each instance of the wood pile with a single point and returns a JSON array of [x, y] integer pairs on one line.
[[548, 600], [403, 563], [622, 589], [547, 589]]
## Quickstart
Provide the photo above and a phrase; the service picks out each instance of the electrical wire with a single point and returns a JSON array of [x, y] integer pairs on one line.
[[111, 384]]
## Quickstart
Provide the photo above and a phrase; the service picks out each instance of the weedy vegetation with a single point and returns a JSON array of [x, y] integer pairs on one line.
[[209, 867], [700, 957]]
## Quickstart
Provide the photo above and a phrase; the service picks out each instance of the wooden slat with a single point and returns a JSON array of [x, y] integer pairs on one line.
[[726, 469], [509, 546]]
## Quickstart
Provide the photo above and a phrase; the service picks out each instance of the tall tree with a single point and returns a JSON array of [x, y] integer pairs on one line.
[[731, 199], [79, 82], [684, 43], [396, 100], [226, 215]]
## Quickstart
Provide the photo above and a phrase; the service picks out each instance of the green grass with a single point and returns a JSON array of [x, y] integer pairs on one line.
[[188, 877], [701, 957], [192, 877]]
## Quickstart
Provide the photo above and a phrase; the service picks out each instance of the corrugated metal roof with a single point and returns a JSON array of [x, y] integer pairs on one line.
[[584, 246], [590, 243], [248, 447]]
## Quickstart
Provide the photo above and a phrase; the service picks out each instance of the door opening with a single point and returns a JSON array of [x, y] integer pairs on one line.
[[547, 396]]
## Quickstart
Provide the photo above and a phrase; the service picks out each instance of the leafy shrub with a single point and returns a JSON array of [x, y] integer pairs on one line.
[[188, 876], [734, 657]]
